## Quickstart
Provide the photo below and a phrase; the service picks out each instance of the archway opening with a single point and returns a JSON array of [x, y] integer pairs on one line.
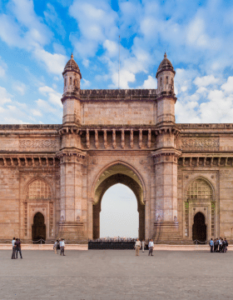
[[119, 173], [38, 228], [119, 216], [199, 227]]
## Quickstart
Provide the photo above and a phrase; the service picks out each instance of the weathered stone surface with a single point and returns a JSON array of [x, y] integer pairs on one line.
[[111, 136]]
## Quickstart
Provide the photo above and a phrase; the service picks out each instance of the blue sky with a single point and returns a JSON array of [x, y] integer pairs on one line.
[[37, 38]]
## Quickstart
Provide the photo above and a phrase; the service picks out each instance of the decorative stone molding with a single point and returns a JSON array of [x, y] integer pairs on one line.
[[200, 144], [29, 161], [95, 94], [71, 156], [38, 144], [205, 161]]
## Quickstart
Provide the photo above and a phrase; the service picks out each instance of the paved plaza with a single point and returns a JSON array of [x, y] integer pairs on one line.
[[116, 274]]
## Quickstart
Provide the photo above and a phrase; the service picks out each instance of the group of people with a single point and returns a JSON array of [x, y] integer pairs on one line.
[[59, 245], [16, 248], [141, 245], [218, 245]]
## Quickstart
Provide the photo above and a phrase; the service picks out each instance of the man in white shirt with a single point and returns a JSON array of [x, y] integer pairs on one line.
[[151, 247], [62, 247], [13, 249], [137, 247]]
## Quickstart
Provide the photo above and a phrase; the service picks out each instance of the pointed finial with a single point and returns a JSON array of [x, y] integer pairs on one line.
[[72, 56], [165, 55]]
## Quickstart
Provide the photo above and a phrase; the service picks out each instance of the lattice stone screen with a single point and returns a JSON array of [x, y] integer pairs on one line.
[[38, 189], [199, 190]]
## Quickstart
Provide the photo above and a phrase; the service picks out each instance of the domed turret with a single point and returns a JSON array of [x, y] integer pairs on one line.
[[72, 76], [165, 76], [165, 65], [72, 66]]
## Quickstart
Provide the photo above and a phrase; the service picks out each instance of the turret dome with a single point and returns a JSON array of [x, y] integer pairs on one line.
[[72, 66], [165, 65]]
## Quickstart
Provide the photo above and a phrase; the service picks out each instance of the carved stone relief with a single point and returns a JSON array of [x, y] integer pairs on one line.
[[40, 144], [200, 144]]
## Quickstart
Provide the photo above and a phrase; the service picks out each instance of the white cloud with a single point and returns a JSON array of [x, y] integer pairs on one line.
[[228, 86], [19, 87], [97, 23], [4, 96], [54, 63], [85, 83], [206, 80], [53, 96], [124, 79], [149, 83]]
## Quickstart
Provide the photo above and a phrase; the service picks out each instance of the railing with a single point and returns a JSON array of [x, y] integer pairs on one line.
[[196, 242]]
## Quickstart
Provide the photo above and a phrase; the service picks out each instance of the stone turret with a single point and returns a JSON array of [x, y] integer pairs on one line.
[[71, 96], [72, 76], [165, 77], [165, 90]]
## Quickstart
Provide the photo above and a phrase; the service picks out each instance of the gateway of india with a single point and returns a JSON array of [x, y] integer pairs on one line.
[[53, 177]]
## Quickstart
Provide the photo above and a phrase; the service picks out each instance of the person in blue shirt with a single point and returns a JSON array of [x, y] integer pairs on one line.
[[211, 243]]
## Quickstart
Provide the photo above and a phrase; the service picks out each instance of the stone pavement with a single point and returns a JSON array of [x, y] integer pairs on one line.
[[116, 275]]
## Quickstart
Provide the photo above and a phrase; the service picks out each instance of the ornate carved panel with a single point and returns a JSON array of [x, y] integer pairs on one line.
[[200, 144], [38, 144]]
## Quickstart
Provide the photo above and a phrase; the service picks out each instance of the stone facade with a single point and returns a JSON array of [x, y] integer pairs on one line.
[[53, 177]]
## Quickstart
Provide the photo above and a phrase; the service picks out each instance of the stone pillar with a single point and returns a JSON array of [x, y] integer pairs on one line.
[[165, 165], [71, 226]]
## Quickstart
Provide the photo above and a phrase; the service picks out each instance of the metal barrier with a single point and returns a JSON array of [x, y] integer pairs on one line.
[[196, 242]]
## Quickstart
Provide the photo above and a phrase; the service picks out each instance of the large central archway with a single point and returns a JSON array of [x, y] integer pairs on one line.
[[118, 173]]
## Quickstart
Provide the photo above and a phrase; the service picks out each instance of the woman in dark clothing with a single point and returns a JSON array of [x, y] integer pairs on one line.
[[18, 248], [58, 246]]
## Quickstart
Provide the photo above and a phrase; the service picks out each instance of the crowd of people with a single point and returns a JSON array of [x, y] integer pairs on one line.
[[16, 248], [218, 245]]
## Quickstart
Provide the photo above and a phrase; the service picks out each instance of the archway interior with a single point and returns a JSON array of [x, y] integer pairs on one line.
[[119, 214], [199, 227], [38, 227], [118, 173]]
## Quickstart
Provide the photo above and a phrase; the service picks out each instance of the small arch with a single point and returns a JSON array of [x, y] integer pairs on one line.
[[166, 79], [70, 80], [161, 81], [65, 82], [38, 227], [199, 227]]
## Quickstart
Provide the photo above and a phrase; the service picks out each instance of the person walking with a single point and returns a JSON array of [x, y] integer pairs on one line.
[[225, 245], [216, 245], [62, 247], [151, 247], [220, 244], [58, 246], [137, 247], [211, 243], [13, 248], [143, 246], [18, 248]]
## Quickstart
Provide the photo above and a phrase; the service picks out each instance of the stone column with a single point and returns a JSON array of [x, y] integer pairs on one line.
[[165, 166], [71, 226]]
